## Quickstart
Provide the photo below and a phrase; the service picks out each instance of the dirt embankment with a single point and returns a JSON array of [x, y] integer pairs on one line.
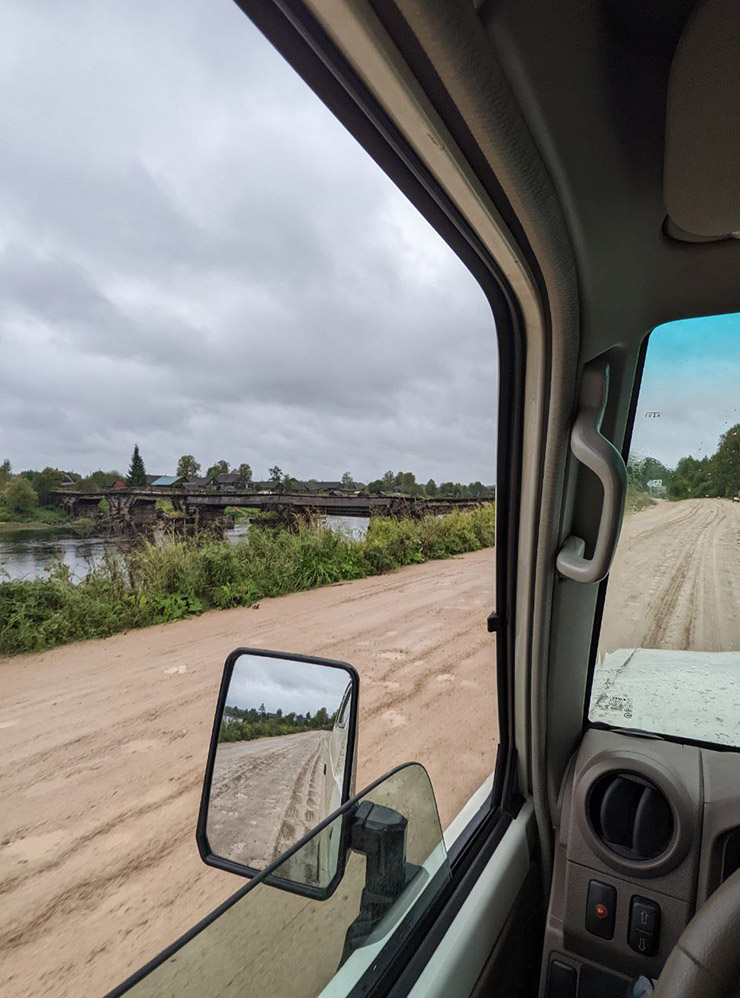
[[676, 579], [102, 748]]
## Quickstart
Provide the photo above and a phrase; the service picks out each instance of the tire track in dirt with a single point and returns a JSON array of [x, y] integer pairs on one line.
[[301, 814], [675, 582]]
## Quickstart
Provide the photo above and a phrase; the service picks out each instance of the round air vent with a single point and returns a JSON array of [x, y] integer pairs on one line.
[[631, 816]]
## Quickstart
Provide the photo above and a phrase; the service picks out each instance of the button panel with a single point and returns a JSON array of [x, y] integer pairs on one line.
[[601, 909], [644, 927]]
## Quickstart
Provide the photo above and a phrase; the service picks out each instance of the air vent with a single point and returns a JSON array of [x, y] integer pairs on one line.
[[631, 816]]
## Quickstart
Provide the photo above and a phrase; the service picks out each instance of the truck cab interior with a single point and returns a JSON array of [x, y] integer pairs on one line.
[[581, 159]]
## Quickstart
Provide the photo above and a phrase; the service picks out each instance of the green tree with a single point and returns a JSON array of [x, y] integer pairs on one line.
[[643, 469], [347, 481], [245, 471], [104, 507], [430, 488], [45, 482], [136, 477], [100, 480], [726, 464], [406, 482], [446, 489], [389, 480], [219, 468], [693, 478], [276, 474], [188, 467], [6, 472], [20, 497]]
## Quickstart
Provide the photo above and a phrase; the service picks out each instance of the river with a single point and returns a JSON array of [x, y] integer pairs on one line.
[[30, 554]]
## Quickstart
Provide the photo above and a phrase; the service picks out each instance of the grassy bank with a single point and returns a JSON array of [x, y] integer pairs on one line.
[[41, 518], [637, 500], [170, 582]]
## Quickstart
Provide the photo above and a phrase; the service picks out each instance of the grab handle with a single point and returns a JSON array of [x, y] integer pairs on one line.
[[595, 452]]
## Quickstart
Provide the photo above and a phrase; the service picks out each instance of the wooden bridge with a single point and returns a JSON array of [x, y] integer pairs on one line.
[[138, 507]]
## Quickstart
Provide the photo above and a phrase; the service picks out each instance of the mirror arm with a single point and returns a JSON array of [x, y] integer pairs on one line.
[[380, 834]]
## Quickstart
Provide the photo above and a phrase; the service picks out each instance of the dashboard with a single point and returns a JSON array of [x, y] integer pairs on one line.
[[648, 829]]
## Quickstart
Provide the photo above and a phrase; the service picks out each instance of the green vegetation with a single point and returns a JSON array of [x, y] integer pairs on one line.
[[405, 483], [19, 498], [244, 725], [717, 476], [136, 477], [219, 468], [188, 467], [160, 583], [99, 480], [640, 471], [167, 508], [20, 503]]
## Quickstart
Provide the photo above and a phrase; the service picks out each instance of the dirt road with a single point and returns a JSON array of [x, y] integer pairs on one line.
[[102, 748], [676, 579], [277, 781]]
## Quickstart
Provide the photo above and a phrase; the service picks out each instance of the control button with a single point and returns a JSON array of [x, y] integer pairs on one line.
[[644, 927], [561, 981], [601, 909]]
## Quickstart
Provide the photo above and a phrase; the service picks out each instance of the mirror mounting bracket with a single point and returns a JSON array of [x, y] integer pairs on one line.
[[380, 834]]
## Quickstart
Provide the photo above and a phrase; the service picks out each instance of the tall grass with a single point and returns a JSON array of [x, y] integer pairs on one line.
[[157, 583]]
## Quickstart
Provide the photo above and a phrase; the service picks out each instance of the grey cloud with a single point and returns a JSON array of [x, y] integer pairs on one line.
[[196, 256]]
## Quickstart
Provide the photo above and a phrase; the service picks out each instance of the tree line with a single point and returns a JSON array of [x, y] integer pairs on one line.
[[22, 494], [245, 724], [716, 475]]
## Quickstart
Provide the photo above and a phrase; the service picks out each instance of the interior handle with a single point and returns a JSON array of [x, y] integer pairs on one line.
[[597, 453]]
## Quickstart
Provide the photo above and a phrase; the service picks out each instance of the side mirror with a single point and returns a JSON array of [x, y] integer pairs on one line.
[[281, 760]]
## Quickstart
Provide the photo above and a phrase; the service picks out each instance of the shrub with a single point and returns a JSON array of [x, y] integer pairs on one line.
[[164, 582], [20, 497]]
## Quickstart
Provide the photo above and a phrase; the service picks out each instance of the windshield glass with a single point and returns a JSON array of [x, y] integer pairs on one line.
[[669, 651]]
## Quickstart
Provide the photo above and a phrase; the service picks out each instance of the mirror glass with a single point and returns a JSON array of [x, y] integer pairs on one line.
[[282, 761]]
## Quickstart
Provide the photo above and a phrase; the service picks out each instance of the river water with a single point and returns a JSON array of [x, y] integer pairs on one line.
[[30, 554]]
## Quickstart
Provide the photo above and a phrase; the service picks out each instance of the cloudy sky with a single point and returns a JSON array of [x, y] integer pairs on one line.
[[196, 256], [290, 686]]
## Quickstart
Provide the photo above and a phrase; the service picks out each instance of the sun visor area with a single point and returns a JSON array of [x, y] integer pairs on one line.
[[702, 149]]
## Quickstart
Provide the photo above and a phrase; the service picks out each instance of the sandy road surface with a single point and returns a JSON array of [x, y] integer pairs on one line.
[[102, 747], [676, 579], [278, 783]]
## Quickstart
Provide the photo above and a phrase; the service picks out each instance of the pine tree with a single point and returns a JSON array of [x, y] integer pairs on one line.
[[136, 472]]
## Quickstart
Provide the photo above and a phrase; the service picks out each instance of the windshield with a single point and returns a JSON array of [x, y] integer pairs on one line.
[[669, 651]]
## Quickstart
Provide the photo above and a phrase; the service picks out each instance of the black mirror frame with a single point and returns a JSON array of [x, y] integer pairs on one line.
[[201, 837]]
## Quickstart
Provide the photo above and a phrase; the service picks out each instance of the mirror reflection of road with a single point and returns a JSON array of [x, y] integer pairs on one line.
[[266, 784]]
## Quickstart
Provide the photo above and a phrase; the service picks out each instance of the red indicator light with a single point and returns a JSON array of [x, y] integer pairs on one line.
[[601, 911]]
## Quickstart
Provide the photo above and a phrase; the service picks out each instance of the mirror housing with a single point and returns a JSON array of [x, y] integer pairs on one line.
[[281, 760]]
